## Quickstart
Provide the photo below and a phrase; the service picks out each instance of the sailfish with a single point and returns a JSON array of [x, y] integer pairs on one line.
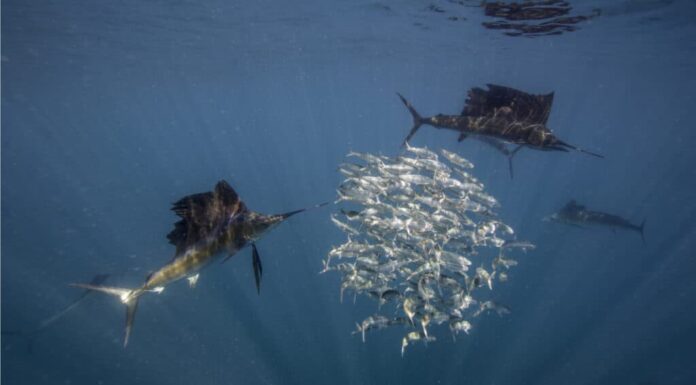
[[578, 215], [500, 115], [214, 226]]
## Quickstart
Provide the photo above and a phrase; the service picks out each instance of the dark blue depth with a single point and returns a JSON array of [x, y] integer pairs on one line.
[[111, 111]]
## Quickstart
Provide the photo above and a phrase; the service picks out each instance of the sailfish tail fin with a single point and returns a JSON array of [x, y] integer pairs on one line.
[[641, 228], [564, 144], [128, 297], [417, 119]]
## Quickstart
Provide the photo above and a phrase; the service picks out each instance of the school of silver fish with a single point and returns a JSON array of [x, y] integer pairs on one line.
[[423, 238]]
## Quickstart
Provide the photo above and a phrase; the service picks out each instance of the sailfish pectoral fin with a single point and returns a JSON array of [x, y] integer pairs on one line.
[[258, 268], [512, 153]]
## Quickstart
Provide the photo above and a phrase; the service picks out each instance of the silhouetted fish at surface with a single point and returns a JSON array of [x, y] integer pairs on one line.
[[213, 224], [502, 113], [577, 214]]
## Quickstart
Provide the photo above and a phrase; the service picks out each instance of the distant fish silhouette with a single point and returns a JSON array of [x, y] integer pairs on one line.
[[576, 214], [214, 224]]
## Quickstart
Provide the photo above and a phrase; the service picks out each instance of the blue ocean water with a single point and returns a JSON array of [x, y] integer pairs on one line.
[[111, 111]]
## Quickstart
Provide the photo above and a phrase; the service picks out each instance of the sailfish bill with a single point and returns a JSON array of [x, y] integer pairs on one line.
[[564, 144], [214, 225], [291, 213]]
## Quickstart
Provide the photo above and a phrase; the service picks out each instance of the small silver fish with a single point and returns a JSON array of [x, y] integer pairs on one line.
[[414, 336], [422, 152], [459, 326], [456, 159]]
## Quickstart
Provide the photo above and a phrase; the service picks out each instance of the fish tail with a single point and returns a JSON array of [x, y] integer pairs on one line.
[[417, 119], [641, 228], [128, 297]]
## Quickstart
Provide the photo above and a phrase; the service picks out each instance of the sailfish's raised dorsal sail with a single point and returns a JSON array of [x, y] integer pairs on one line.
[[203, 213], [523, 107]]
